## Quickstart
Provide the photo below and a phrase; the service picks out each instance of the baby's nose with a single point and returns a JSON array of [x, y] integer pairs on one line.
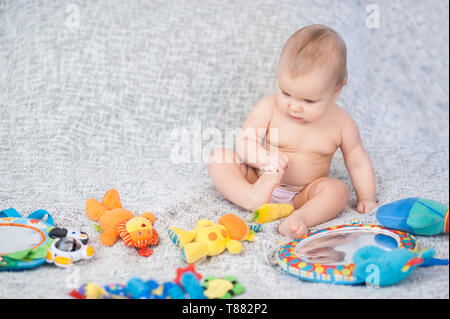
[[296, 107]]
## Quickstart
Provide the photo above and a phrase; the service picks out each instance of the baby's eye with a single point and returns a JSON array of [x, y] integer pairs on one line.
[[309, 101], [286, 94]]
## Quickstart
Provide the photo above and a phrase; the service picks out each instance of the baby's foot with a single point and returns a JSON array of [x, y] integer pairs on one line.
[[293, 226], [262, 190]]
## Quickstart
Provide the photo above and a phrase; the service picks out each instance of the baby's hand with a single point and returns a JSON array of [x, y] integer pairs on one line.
[[276, 162], [365, 205]]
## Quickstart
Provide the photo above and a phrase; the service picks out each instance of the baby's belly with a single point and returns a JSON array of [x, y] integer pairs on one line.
[[304, 169]]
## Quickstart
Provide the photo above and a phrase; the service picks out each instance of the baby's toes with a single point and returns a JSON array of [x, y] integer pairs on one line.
[[285, 229], [292, 228], [298, 229], [360, 208]]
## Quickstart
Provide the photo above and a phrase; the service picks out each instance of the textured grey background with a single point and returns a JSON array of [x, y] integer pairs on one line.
[[91, 104]]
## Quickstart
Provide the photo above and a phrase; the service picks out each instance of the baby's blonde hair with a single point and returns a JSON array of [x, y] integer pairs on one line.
[[316, 44]]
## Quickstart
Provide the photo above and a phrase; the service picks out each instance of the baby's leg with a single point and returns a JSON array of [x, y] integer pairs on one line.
[[238, 182], [320, 201]]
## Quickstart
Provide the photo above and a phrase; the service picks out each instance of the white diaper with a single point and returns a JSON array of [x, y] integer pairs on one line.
[[281, 195]]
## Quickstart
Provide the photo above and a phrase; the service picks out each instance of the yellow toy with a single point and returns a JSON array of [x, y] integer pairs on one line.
[[211, 239], [270, 212]]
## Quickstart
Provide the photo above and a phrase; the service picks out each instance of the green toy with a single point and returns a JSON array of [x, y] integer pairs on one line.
[[222, 288]]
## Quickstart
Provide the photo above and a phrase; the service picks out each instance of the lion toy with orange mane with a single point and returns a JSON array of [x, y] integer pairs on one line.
[[115, 221]]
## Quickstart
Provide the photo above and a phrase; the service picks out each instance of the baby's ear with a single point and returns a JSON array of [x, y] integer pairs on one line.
[[150, 216], [338, 90]]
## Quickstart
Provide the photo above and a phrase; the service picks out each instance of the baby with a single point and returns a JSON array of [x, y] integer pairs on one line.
[[286, 144]]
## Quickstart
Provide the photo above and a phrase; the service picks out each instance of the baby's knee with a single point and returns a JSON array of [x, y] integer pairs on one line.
[[340, 191], [343, 192]]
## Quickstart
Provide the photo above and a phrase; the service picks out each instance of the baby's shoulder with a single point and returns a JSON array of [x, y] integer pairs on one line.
[[268, 101], [341, 116], [346, 126], [266, 104], [261, 113]]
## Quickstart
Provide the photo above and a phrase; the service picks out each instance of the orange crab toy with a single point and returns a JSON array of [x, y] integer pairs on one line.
[[115, 221]]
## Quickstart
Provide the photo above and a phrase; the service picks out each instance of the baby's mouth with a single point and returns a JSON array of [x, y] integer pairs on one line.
[[296, 116]]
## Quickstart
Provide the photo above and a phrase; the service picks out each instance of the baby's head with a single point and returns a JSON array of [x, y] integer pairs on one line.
[[312, 70]]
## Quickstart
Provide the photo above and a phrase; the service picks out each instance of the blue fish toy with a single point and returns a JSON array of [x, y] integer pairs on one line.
[[418, 216], [378, 267]]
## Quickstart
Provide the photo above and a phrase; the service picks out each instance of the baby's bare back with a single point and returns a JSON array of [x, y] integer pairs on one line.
[[310, 147]]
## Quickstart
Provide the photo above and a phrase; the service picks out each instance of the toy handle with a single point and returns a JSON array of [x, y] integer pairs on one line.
[[10, 212], [40, 214]]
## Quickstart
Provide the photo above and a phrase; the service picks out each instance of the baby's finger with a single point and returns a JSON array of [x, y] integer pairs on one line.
[[284, 160], [287, 161], [282, 164], [280, 169]]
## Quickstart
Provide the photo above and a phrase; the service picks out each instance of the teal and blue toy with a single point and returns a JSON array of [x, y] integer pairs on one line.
[[24, 240], [192, 286], [415, 215], [378, 267], [174, 291], [138, 289]]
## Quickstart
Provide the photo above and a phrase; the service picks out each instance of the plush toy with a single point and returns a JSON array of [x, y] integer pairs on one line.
[[138, 289], [189, 280], [414, 215], [211, 239], [116, 221], [89, 291], [187, 284], [378, 267], [270, 212], [222, 288]]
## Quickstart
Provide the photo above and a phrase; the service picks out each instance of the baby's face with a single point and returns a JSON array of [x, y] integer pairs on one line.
[[305, 98]]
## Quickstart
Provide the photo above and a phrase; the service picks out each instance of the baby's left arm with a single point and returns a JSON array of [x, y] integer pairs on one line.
[[358, 165]]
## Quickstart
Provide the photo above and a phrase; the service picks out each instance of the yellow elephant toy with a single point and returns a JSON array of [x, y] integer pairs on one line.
[[211, 239]]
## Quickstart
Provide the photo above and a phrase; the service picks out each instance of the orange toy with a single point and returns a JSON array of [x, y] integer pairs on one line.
[[115, 221]]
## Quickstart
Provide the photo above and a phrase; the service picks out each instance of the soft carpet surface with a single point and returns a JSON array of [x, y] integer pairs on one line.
[[95, 94]]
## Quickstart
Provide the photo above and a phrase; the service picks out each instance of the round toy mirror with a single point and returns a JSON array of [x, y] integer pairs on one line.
[[338, 246], [326, 255], [23, 240], [16, 237]]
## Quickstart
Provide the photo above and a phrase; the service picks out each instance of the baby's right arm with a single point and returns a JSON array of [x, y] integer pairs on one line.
[[250, 139]]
